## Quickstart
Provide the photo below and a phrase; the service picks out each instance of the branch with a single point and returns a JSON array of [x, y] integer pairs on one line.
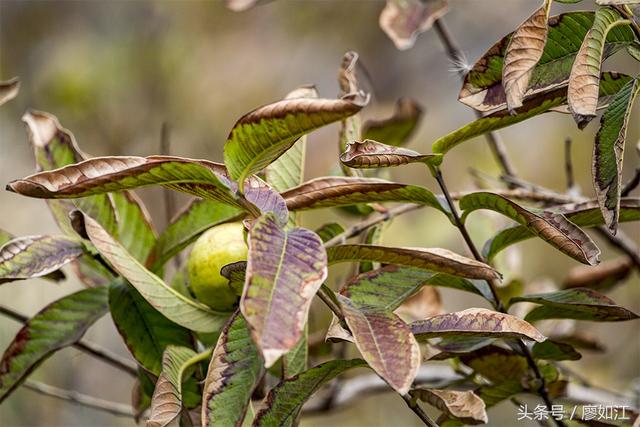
[[113, 408], [493, 138], [90, 348], [631, 185], [568, 164]]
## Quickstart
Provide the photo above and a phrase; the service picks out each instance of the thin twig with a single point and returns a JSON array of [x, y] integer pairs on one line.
[[88, 347], [455, 54], [113, 408], [568, 164], [413, 405], [632, 184]]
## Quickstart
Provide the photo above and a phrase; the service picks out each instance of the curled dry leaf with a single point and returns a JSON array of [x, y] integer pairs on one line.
[[608, 152], [373, 154], [285, 269], [242, 5], [36, 256], [584, 81], [385, 342], [397, 129], [601, 277], [234, 372], [477, 322], [523, 53], [432, 259], [554, 228], [463, 405], [9, 89], [403, 20]]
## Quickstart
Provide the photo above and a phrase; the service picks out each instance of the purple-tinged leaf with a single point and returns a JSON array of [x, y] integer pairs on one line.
[[285, 269], [173, 305], [433, 259], [553, 228], [9, 89], [465, 406], [385, 342], [234, 372], [477, 322], [578, 303], [285, 400], [397, 129], [403, 20], [58, 325], [373, 154], [36, 256]]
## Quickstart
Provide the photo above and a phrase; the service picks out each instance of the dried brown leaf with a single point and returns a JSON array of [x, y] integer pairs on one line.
[[373, 154], [403, 20], [463, 405], [9, 89], [600, 277]]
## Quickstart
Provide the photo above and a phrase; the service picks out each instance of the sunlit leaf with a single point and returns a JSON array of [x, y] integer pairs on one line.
[[264, 134], [397, 129], [5, 236], [384, 341], [403, 20], [602, 277], [552, 227], [586, 214], [608, 152], [196, 218], [584, 81], [610, 84], [432, 259], [284, 401], [166, 402], [373, 154], [577, 303], [482, 88], [329, 192], [463, 405], [234, 372], [477, 322], [173, 305], [145, 331], [9, 89], [285, 268], [36, 256], [554, 350], [135, 230], [58, 325], [523, 53]]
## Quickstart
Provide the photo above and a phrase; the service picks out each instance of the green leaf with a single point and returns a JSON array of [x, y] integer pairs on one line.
[[476, 322], [608, 153], [135, 230], [37, 256], [585, 214], [433, 259], [554, 350], [55, 147], [173, 305], [234, 372], [329, 231], [611, 83], [9, 89], [371, 154], [577, 303], [554, 228], [397, 129], [296, 360], [284, 401], [264, 134], [166, 403], [327, 192], [58, 325], [196, 218], [482, 88], [389, 286], [5, 236], [285, 269], [384, 341], [145, 331], [584, 80]]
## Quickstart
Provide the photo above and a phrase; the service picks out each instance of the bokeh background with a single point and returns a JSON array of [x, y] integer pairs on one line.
[[114, 71]]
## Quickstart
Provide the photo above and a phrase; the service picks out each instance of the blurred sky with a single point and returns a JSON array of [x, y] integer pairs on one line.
[[114, 71]]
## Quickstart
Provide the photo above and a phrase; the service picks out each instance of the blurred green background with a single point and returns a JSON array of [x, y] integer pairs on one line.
[[114, 71]]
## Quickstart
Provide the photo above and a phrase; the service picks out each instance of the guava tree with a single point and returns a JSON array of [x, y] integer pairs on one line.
[[225, 342]]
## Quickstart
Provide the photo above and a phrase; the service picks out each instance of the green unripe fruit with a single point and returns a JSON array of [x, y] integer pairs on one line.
[[219, 246]]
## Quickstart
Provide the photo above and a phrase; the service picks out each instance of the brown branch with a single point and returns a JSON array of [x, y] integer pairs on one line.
[[88, 347], [568, 164]]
